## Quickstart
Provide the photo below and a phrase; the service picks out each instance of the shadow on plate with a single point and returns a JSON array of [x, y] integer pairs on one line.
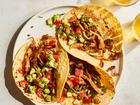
[[9, 81]]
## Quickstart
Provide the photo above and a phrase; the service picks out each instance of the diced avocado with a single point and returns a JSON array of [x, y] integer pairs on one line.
[[31, 89], [43, 82], [46, 91], [65, 24], [51, 64], [61, 28], [29, 78], [34, 75], [50, 57], [69, 94], [82, 40], [53, 91], [94, 25], [71, 37], [78, 36], [32, 70], [63, 34], [42, 85], [56, 17], [48, 98], [49, 22], [82, 19]]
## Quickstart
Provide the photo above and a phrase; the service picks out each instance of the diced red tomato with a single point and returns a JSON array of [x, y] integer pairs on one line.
[[44, 57], [23, 83], [81, 95], [52, 42], [36, 83], [79, 72], [58, 23], [49, 75], [73, 19], [39, 92], [88, 100], [75, 81], [56, 57], [94, 30], [78, 30]]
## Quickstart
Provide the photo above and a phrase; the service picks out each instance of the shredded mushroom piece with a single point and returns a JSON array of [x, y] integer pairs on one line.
[[88, 78], [92, 84]]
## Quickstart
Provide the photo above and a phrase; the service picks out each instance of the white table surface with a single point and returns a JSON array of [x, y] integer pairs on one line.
[[13, 13]]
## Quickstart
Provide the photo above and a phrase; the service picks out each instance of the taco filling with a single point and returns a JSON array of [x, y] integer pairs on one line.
[[39, 68], [83, 83], [83, 30]]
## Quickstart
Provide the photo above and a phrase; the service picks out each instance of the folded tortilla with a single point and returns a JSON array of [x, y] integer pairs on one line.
[[25, 58], [99, 90], [92, 32]]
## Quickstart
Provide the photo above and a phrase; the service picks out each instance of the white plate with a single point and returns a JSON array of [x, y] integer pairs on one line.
[[37, 27]]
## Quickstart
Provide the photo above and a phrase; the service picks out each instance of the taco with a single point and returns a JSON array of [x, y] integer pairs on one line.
[[87, 85], [37, 69], [91, 31]]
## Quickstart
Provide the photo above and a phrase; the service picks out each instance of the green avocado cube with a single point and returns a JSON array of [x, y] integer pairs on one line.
[[46, 91], [29, 78], [48, 98], [32, 70], [49, 22], [32, 89]]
